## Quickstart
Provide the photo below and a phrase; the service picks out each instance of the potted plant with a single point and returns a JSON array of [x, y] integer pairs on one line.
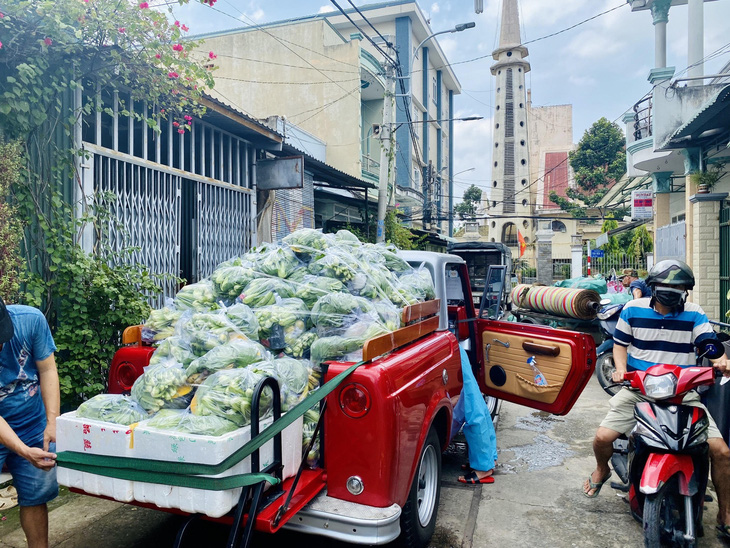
[[707, 179]]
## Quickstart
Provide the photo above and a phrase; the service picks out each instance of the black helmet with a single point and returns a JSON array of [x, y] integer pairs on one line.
[[671, 272]]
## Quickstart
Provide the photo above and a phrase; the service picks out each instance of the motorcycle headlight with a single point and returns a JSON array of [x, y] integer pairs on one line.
[[660, 387]]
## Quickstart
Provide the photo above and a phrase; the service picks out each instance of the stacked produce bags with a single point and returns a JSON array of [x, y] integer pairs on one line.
[[280, 311]]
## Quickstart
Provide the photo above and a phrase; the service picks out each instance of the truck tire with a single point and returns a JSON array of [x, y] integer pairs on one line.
[[418, 517]]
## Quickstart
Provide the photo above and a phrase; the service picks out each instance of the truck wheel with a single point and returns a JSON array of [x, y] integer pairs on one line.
[[604, 369], [418, 518]]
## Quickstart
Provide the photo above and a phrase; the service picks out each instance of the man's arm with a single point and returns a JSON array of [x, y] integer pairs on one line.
[[620, 354], [637, 293], [37, 457], [51, 394]]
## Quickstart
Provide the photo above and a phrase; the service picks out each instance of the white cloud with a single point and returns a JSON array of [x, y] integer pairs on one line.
[[472, 147], [537, 14], [582, 81], [326, 9], [435, 8], [253, 12]]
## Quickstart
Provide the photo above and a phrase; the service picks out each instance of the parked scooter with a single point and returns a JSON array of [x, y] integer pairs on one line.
[[665, 462], [607, 320]]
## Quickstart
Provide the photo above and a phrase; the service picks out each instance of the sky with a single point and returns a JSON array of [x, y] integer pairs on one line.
[[600, 67]]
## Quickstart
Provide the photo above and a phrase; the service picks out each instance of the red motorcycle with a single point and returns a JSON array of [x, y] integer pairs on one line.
[[666, 463]]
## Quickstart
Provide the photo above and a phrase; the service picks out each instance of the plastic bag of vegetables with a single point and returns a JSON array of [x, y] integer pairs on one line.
[[393, 262], [279, 261], [307, 242], [390, 315], [336, 263], [185, 421], [418, 283], [264, 291], [160, 324], [345, 237], [229, 281], [283, 314], [310, 420], [339, 309], [203, 331], [293, 377], [113, 408], [162, 385], [348, 345], [228, 394], [298, 344], [198, 296], [310, 288], [243, 318], [175, 348], [237, 353]]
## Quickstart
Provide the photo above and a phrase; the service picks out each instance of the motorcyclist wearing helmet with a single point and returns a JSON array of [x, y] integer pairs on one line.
[[662, 329]]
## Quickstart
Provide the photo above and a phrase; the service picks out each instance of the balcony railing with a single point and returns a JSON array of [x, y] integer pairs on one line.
[[642, 119], [369, 165]]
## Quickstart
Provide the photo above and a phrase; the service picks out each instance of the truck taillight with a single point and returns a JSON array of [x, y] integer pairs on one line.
[[127, 374], [355, 400]]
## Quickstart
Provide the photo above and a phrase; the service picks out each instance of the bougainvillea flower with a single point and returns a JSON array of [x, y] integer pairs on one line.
[[176, 124], [122, 30], [157, 55], [177, 47], [185, 28], [212, 55], [47, 41], [188, 117], [173, 74], [181, 130], [144, 6], [177, 23]]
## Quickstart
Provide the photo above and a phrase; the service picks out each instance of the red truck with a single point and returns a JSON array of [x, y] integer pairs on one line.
[[386, 425]]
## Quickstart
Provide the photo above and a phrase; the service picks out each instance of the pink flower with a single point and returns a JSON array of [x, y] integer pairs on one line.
[[47, 41], [176, 124], [157, 55], [144, 6], [190, 122], [188, 118], [1, 15], [181, 130], [177, 23], [210, 2], [1, 45], [162, 111], [212, 55], [177, 47], [185, 28], [173, 74], [122, 30]]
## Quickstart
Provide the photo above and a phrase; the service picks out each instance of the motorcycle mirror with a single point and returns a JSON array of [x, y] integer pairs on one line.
[[710, 349]]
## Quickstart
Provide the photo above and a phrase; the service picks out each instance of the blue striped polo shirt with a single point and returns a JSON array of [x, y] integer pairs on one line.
[[652, 338]]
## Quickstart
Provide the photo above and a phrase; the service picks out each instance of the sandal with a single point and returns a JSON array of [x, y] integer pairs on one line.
[[8, 503], [8, 492], [723, 531], [473, 479], [596, 486]]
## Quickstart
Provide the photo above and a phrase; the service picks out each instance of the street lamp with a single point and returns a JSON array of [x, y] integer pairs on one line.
[[457, 28]]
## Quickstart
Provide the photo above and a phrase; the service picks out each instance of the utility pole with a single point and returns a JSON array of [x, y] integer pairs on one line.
[[386, 148]]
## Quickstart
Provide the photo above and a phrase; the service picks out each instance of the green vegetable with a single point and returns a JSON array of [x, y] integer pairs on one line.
[[284, 313], [419, 283], [311, 288], [292, 374], [308, 241], [334, 309], [280, 262], [228, 394], [237, 353], [184, 421], [244, 319], [199, 297], [263, 292], [352, 340], [113, 408], [389, 315], [336, 264], [160, 324], [345, 237], [206, 330], [229, 281], [298, 347], [175, 348], [162, 385]]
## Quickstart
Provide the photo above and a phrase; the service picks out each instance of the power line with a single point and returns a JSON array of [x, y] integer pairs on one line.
[[376, 46]]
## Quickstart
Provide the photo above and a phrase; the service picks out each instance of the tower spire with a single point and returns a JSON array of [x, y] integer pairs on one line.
[[510, 28]]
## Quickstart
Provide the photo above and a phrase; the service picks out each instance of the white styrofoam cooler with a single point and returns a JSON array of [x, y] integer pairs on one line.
[[144, 442]]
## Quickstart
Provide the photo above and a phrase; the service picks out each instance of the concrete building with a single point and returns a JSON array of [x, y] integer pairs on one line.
[[682, 127], [321, 74]]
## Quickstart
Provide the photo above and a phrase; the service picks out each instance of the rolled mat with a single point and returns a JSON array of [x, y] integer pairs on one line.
[[582, 304]]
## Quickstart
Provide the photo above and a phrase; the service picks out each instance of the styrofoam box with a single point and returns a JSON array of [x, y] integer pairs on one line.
[[84, 435]]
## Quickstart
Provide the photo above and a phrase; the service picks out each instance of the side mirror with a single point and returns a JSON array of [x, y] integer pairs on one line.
[[710, 349]]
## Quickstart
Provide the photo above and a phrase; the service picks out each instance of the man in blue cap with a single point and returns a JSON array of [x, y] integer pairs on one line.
[[29, 405]]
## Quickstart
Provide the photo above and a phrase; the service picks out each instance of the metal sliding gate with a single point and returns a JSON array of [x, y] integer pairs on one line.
[[724, 260]]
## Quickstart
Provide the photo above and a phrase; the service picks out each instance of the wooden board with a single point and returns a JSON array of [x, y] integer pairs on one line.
[[132, 335], [388, 342], [415, 312]]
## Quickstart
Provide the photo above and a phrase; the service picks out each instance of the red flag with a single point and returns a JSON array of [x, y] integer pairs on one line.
[[523, 245]]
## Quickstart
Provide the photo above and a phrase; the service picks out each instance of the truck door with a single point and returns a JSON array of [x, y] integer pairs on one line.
[[565, 359]]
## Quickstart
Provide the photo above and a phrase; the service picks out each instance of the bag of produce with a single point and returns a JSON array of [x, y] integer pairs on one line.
[[244, 319], [162, 385], [264, 291], [310, 420], [345, 237], [237, 353], [199, 297], [339, 309], [293, 377], [228, 394], [285, 314], [393, 262], [203, 331], [113, 408], [336, 263], [175, 348], [229, 281], [160, 324], [389, 314], [280, 262], [310, 288], [307, 242], [185, 421], [417, 284], [347, 345], [297, 345]]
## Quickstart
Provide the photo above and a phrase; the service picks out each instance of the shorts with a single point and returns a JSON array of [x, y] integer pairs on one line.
[[620, 417], [34, 486]]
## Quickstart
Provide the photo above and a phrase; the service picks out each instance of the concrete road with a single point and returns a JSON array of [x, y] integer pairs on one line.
[[536, 500]]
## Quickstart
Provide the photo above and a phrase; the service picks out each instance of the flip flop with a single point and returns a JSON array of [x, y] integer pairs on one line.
[[8, 491], [472, 479], [8, 503], [596, 486], [724, 531]]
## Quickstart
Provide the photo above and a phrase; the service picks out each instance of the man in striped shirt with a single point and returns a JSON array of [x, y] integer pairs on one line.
[[653, 330]]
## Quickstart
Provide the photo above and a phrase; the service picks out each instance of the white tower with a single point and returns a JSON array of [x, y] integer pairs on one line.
[[510, 194]]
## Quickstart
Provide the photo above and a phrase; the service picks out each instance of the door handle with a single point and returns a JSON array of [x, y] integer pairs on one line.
[[537, 348], [505, 344], [486, 352]]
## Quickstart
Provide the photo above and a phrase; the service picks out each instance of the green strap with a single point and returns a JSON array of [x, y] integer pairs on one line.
[[155, 471]]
